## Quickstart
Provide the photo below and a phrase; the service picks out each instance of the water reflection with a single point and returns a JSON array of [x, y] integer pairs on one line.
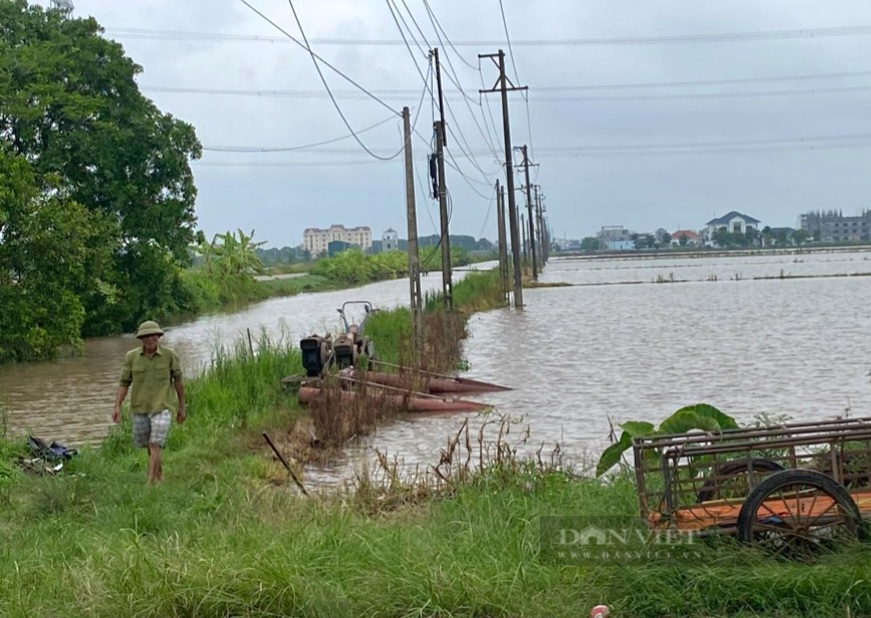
[[575, 355], [71, 399], [578, 355]]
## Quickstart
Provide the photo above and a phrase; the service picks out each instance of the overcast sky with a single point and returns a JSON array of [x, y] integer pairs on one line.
[[642, 184]]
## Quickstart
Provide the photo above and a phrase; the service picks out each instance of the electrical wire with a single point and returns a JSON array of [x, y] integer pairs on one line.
[[437, 25], [201, 163], [391, 5], [332, 98], [706, 95], [508, 38], [304, 94], [845, 139], [487, 216], [488, 138], [763, 35], [293, 148], [309, 147], [523, 94], [315, 56], [487, 101]]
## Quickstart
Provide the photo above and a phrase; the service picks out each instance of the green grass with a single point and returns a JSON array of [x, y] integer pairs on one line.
[[227, 535]]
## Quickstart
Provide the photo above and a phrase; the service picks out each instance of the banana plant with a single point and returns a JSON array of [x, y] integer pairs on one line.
[[700, 416]]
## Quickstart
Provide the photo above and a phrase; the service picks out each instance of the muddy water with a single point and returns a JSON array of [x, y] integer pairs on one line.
[[71, 400], [577, 355]]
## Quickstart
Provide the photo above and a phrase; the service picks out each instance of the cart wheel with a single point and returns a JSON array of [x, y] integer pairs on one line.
[[738, 486], [799, 514]]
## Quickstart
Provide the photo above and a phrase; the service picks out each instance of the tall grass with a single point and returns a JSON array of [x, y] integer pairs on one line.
[[209, 543], [225, 535]]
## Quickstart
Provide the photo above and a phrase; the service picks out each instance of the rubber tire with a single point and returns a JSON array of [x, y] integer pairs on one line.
[[823, 482], [709, 488]]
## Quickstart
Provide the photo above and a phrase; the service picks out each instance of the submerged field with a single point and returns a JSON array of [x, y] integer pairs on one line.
[[227, 533]]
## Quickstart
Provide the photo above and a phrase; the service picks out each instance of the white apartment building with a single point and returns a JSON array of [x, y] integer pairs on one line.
[[317, 241]]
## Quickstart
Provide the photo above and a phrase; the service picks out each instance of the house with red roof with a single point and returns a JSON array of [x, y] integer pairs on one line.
[[694, 239]]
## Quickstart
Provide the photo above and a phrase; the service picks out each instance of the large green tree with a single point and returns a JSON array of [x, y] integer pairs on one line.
[[70, 106], [50, 246]]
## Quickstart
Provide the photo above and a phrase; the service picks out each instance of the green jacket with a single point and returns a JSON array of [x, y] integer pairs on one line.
[[152, 380]]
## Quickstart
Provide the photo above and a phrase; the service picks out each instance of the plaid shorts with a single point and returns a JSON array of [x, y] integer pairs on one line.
[[151, 429]]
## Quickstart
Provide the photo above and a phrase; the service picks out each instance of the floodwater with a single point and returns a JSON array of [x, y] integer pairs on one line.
[[639, 351], [612, 344], [70, 400]]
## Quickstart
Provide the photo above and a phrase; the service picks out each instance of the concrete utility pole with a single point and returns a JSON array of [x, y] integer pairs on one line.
[[413, 253], [441, 142], [524, 239], [502, 86], [503, 249], [529, 217], [542, 242]]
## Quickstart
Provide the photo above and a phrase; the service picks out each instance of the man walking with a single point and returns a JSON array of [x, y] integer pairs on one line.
[[153, 371]]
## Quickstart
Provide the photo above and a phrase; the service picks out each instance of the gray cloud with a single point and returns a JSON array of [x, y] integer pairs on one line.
[[583, 193]]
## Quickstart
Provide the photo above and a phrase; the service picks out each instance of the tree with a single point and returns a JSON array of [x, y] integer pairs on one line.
[[50, 248], [233, 256], [683, 240], [722, 238], [751, 234], [665, 239], [72, 108], [800, 236], [590, 243]]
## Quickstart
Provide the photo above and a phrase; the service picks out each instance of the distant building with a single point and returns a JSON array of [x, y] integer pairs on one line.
[[733, 222], [621, 245], [833, 226], [317, 241], [337, 246], [613, 233], [694, 239], [390, 240]]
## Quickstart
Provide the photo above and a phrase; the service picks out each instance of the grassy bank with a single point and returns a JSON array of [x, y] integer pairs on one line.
[[226, 534]]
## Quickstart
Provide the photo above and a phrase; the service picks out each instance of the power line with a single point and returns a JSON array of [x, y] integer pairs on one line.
[[706, 82], [488, 138], [706, 95], [327, 87], [487, 216], [391, 5], [401, 93], [508, 38], [293, 148], [437, 25], [316, 57], [763, 148], [605, 148], [525, 95], [764, 35], [201, 163]]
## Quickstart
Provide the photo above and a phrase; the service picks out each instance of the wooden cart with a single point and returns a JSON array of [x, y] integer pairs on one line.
[[791, 489]]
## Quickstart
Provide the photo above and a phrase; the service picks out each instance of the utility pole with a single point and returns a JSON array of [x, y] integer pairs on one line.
[[542, 241], [413, 254], [503, 249], [441, 142], [529, 217], [524, 239], [502, 86]]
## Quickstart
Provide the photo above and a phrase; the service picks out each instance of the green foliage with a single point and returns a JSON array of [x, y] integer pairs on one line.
[[590, 243], [70, 107], [49, 249], [700, 416], [354, 267]]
